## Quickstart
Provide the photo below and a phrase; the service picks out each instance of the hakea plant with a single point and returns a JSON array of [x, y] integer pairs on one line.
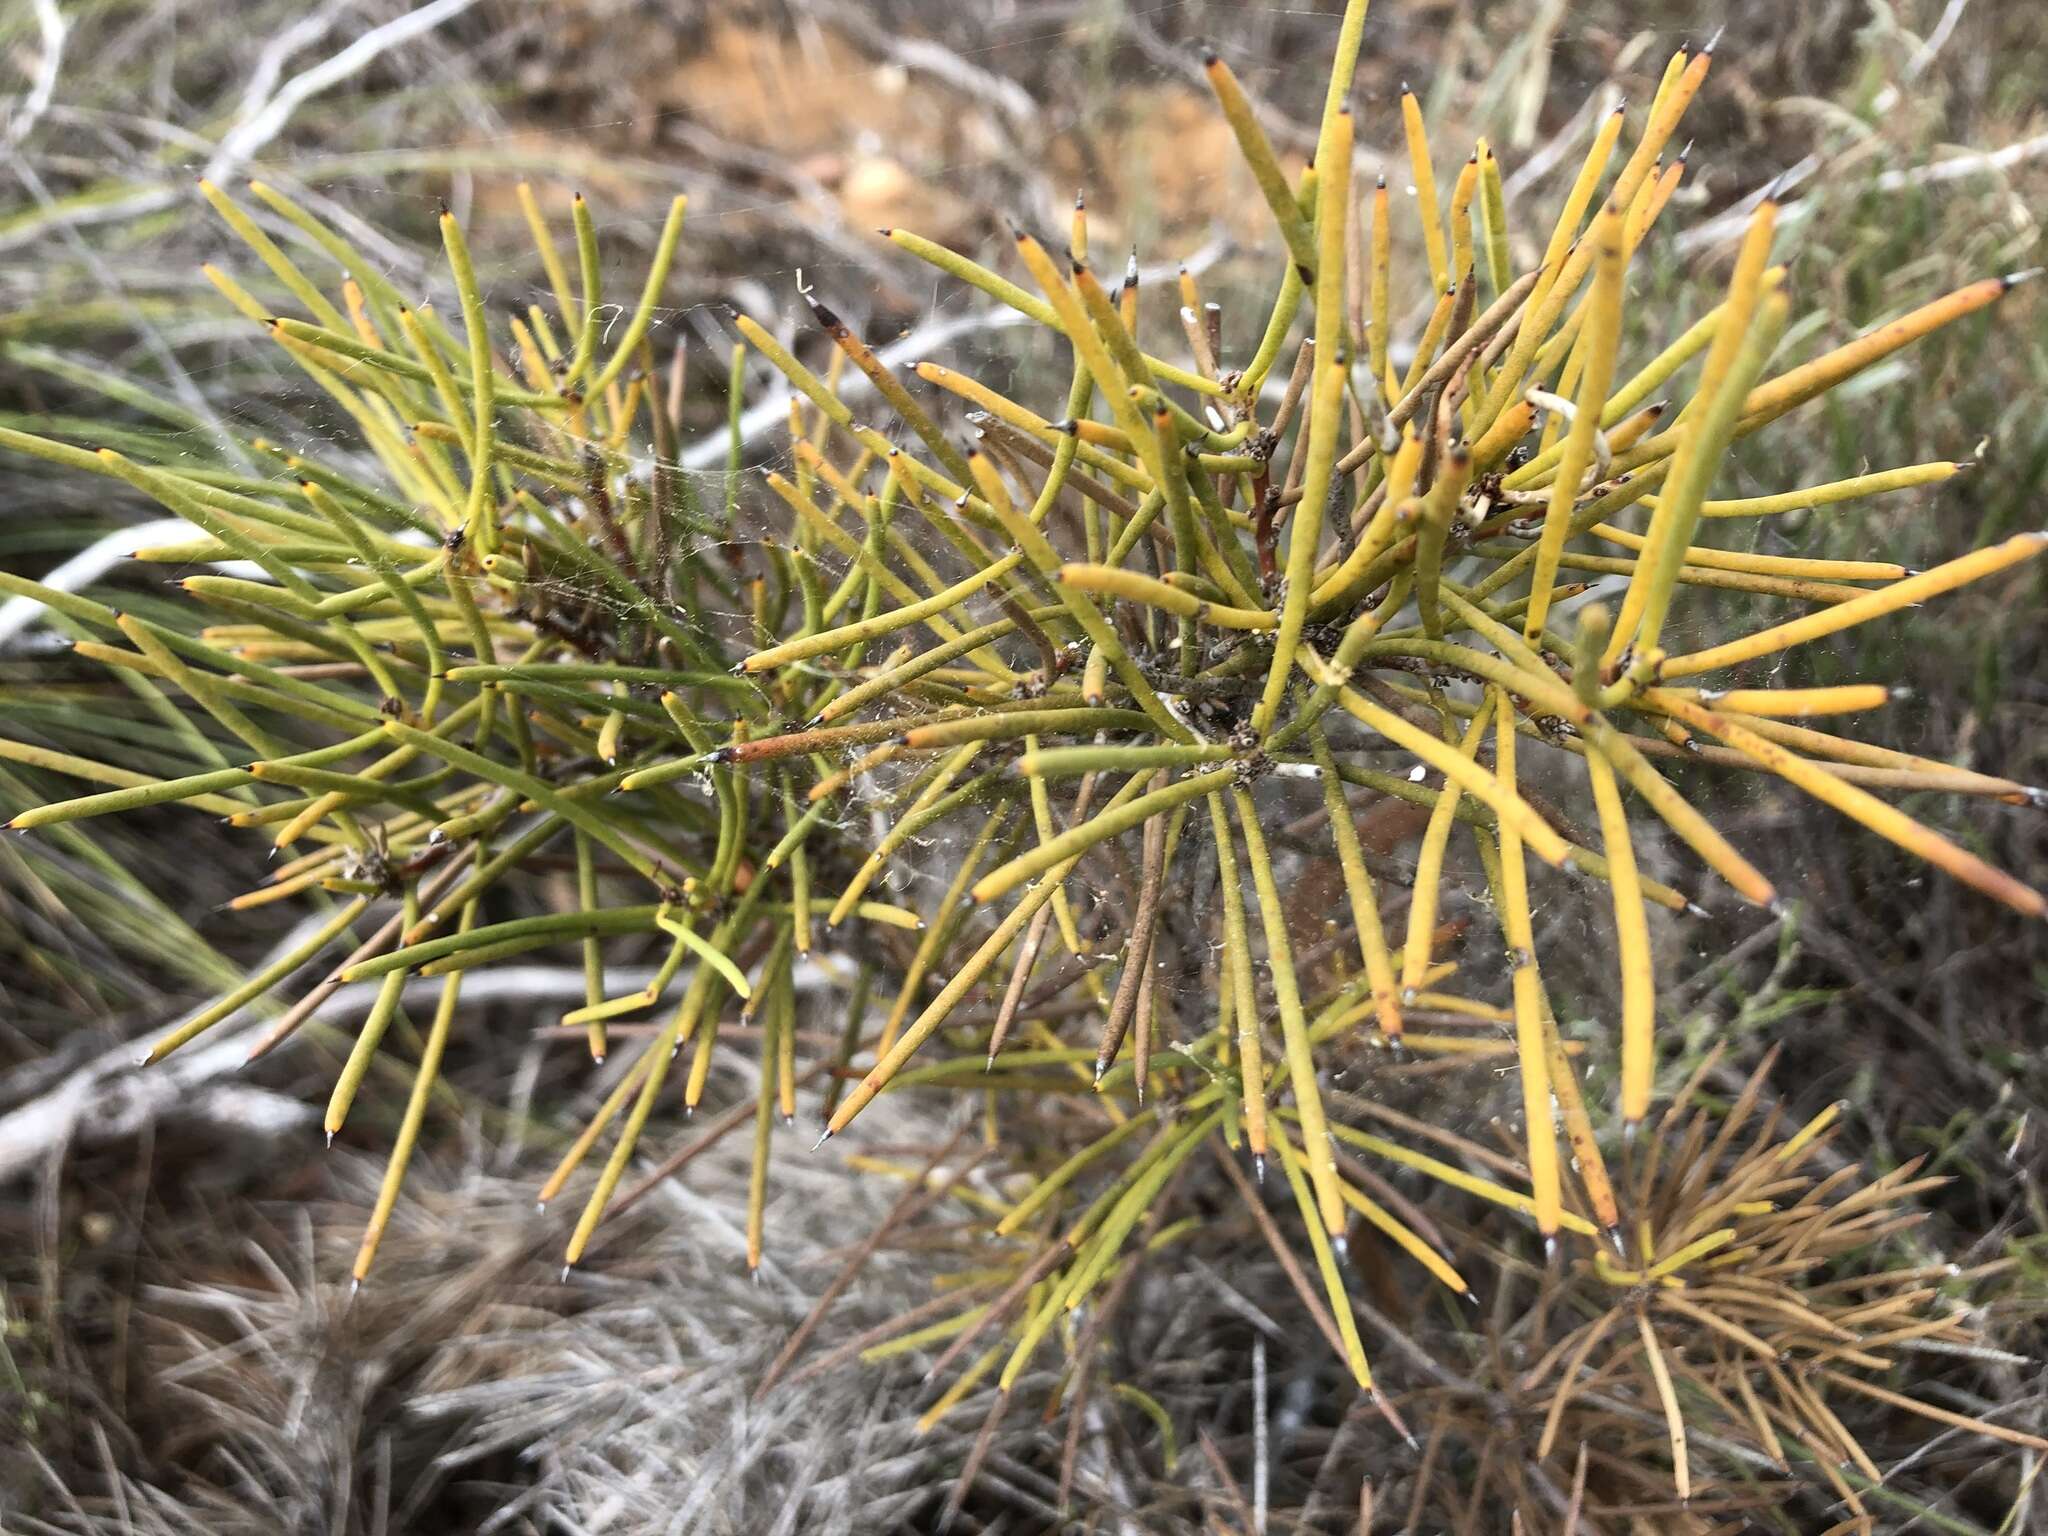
[[1151, 609], [1739, 1340], [1231, 621]]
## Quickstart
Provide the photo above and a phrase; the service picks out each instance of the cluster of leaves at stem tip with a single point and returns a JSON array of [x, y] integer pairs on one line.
[[1132, 632]]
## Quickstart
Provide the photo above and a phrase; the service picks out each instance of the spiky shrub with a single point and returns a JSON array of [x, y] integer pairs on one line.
[[1241, 622], [1742, 1344], [1157, 609]]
